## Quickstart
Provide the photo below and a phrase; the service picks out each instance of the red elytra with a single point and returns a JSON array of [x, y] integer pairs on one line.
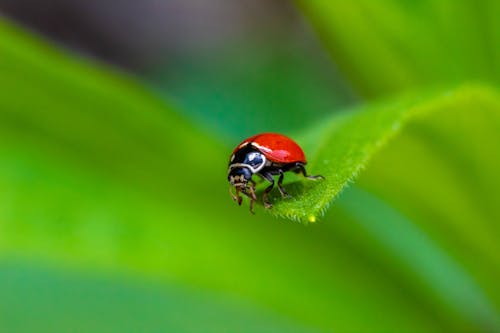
[[276, 147]]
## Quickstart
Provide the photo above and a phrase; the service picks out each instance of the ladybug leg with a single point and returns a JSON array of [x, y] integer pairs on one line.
[[284, 194], [236, 197], [268, 189], [301, 169], [252, 196]]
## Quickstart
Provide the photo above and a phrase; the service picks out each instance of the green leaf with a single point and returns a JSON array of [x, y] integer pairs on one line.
[[391, 46], [114, 304], [344, 145], [439, 275], [92, 118]]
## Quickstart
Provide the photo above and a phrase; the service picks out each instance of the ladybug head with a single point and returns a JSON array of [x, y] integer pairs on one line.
[[239, 176], [244, 163]]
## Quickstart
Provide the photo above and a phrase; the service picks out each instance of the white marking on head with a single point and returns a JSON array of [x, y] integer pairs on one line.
[[252, 156], [261, 148], [244, 165]]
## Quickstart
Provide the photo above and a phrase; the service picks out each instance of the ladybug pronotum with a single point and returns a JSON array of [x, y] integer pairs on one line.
[[266, 155]]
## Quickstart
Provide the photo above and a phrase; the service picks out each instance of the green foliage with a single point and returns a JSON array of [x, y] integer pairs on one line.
[[112, 305], [389, 46], [97, 175]]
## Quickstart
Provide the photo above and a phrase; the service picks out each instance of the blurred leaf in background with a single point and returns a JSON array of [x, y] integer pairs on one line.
[[280, 85], [38, 299], [110, 199], [391, 46]]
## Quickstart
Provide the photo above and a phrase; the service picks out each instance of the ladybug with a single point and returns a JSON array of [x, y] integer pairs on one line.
[[266, 155]]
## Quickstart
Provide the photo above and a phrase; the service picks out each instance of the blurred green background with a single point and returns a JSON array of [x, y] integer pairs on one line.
[[116, 123]]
